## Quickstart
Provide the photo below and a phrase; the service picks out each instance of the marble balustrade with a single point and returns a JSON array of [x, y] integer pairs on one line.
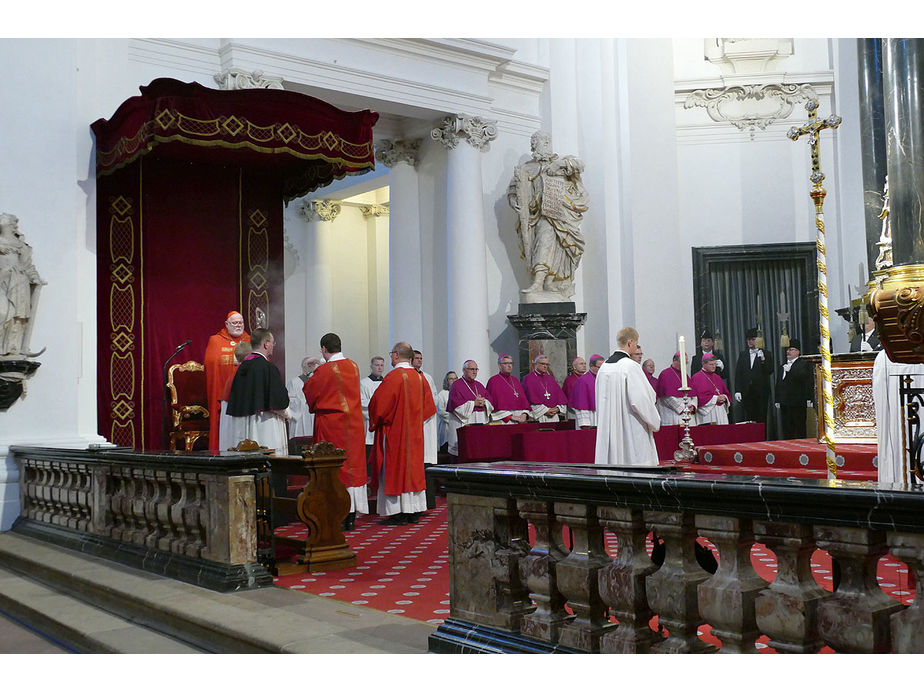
[[189, 516], [508, 595]]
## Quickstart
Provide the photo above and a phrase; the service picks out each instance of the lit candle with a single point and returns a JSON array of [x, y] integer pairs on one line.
[[683, 362]]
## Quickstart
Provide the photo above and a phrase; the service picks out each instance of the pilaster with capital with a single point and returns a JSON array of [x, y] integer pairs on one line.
[[466, 262]]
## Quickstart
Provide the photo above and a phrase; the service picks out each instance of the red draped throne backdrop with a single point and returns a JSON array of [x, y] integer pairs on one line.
[[191, 184]]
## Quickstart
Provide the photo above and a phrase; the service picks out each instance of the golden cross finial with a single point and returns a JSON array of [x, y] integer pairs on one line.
[[812, 128]]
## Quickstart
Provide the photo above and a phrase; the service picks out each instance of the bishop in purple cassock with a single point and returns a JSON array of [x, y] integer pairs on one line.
[[469, 403], [547, 401], [712, 395], [507, 394], [670, 397], [583, 399]]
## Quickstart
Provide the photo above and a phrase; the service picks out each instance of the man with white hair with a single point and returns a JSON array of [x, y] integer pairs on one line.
[[469, 403], [626, 414], [546, 399], [302, 422], [219, 367]]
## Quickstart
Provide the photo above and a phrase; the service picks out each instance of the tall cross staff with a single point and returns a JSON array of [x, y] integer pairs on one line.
[[813, 129]]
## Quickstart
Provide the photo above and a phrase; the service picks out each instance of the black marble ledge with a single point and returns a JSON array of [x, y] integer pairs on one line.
[[200, 461], [803, 501]]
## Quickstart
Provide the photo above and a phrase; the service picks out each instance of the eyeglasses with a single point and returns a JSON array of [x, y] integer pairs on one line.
[[471, 369]]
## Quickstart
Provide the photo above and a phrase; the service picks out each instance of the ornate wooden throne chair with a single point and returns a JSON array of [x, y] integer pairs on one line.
[[189, 406]]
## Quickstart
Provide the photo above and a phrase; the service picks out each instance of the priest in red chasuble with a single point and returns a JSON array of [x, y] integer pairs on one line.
[[332, 394], [219, 367], [397, 411]]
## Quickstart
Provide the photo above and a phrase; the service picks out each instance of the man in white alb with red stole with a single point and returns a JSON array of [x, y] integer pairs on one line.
[[397, 411], [711, 393], [546, 399], [469, 403], [505, 392]]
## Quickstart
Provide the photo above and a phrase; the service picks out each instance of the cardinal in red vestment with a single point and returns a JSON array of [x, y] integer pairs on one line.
[[220, 367], [397, 410]]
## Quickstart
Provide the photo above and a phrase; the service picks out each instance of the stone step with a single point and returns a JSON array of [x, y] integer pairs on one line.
[[77, 625], [267, 620]]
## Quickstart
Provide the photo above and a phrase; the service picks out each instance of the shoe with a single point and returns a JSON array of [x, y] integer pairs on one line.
[[394, 520], [349, 524], [413, 518]]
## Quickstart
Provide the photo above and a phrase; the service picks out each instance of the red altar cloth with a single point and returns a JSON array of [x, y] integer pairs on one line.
[[805, 458], [527, 443], [488, 443]]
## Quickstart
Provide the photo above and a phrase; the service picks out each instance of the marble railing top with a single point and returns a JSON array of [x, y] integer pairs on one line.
[[807, 501], [204, 461]]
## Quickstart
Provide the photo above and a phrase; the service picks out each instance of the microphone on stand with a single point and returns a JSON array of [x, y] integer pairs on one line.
[[166, 417]]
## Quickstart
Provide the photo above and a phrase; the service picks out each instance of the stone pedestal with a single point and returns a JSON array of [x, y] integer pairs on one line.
[[550, 329]]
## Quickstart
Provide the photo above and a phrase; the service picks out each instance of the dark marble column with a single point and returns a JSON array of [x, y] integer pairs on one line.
[[873, 142], [550, 329], [903, 73]]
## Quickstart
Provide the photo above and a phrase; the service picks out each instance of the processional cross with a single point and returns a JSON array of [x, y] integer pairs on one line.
[[813, 129]]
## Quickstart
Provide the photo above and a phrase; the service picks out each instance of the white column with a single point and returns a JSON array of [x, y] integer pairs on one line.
[[319, 301], [467, 277], [404, 260]]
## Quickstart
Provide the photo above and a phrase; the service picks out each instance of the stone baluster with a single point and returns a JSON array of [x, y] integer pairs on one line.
[[908, 625], [855, 619], [164, 524], [178, 533], [511, 596], [787, 610], [156, 479], [622, 584], [195, 516], [538, 572], [577, 578], [137, 503], [672, 590], [116, 504], [726, 600]]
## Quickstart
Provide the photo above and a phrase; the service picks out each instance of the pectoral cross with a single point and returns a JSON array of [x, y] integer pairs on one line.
[[813, 128], [547, 395]]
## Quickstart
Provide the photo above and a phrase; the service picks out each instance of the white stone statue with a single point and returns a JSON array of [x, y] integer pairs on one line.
[[19, 287], [550, 200]]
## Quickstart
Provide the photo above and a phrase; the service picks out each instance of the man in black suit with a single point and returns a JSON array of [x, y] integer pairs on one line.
[[752, 379], [706, 342], [794, 391], [867, 339]]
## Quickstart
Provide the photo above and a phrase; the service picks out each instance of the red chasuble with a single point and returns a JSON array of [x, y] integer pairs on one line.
[[397, 410], [332, 394], [219, 369]]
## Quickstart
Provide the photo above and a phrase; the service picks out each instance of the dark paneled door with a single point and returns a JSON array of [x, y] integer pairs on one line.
[[773, 287]]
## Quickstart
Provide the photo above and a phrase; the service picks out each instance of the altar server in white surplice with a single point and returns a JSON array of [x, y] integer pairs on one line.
[[626, 413], [431, 425], [886, 380]]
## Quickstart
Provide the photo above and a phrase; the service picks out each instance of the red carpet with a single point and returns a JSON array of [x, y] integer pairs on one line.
[[405, 570]]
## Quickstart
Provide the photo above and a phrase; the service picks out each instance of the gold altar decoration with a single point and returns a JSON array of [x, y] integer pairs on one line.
[[813, 128], [852, 393], [897, 306]]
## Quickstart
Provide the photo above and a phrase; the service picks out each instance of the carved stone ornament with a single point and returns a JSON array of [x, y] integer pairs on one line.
[[20, 286], [478, 131], [738, 56], [374, 210], [753, 106], [391, 152], [326, 210], [241, 79]]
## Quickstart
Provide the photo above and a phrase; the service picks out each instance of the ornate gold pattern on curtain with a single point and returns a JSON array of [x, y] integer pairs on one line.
[[257, 271], [122, 314]]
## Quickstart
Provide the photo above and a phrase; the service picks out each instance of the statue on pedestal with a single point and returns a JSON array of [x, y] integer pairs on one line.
[[550, 200], [20, 284]]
